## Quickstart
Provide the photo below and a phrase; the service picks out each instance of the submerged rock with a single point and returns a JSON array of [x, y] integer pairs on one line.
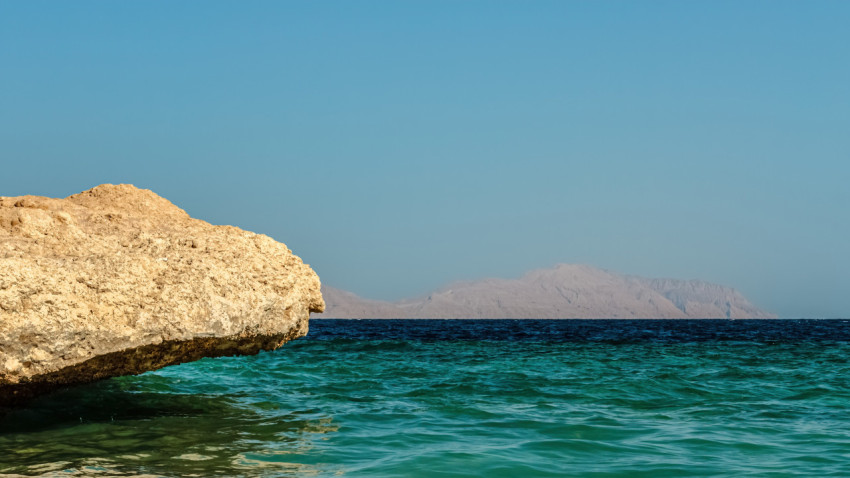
[[117, 280]]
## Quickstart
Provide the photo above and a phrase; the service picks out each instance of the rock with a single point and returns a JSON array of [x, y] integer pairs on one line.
[[117, 280], [564, 292]]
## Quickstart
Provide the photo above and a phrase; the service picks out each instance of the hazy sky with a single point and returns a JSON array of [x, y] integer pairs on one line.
[[398, 146]]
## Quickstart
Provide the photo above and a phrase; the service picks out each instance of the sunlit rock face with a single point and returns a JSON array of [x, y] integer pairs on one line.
[[117, 280]]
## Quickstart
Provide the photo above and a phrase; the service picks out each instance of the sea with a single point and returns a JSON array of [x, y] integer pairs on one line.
[[467, 398]]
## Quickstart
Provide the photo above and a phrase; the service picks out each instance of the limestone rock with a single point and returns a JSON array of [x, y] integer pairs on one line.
[[117, 280], [566, 291]]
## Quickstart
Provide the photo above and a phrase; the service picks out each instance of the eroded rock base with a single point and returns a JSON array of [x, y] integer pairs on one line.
[[142, 359]]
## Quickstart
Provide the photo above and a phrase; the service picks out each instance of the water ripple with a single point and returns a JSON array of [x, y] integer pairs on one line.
[[448, 398]]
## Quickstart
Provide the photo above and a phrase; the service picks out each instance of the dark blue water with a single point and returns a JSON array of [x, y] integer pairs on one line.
[[381, 398]]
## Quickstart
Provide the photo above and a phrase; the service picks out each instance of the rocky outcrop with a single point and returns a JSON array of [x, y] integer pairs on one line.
[[117, 280], [566, 291]]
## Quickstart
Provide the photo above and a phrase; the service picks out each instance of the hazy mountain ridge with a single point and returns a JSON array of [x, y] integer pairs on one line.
[[565, 291]]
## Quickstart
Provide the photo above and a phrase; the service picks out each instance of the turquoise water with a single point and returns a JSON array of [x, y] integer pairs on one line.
[[468, 398]]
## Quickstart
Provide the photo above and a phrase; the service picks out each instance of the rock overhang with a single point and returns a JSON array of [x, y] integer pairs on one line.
[[117, 280]]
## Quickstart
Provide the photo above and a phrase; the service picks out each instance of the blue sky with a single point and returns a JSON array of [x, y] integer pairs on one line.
[[398, 146]]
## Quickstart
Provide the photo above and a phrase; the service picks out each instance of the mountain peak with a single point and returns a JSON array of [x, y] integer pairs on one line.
[[563, 291]]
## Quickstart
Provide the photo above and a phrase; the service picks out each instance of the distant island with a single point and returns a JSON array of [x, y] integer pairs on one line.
[[566, 291]]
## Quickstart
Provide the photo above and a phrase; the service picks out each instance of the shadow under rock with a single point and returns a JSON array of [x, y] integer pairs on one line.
[[108, 401]]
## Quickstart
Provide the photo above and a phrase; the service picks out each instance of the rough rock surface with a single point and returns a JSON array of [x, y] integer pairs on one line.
[[566, 291], [117, 280]]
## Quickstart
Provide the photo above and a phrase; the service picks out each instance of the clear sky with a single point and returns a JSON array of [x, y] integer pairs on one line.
[[400, 145]]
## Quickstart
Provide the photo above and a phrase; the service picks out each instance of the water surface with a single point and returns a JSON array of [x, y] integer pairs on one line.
[[441, 398]]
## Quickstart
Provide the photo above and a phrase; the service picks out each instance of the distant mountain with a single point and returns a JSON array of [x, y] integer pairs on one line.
[[566, 291]]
